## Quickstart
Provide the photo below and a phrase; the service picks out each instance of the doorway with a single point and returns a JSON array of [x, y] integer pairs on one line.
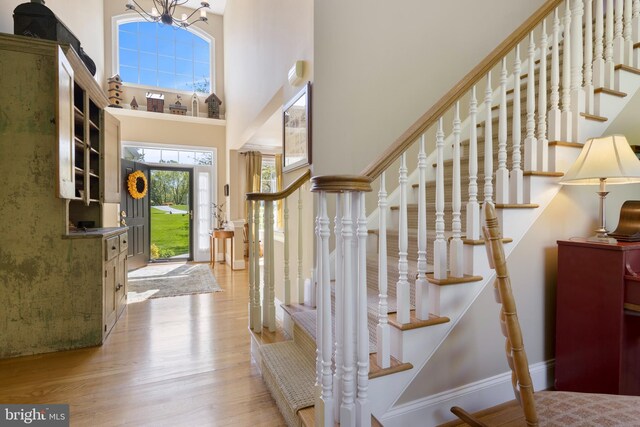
[[171, 214]]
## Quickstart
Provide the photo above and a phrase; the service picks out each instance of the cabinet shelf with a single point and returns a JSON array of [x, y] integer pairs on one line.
[[79, 171], [94, 126]]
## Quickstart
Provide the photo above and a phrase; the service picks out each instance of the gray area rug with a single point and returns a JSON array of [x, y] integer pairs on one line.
[[170, 280]]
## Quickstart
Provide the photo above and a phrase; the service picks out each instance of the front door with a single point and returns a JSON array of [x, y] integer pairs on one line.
[[136, 216]]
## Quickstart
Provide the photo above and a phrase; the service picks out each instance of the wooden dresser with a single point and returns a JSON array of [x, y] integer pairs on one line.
[[598, 318], [60, 287]]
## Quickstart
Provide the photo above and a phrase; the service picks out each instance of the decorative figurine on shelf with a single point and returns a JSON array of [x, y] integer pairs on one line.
[[214, 104], [178, 109], [155, 102], [195, 105], [115, 91], [134, 104]]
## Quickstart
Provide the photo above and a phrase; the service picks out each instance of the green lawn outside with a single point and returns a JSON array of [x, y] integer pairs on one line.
[[170, 232]]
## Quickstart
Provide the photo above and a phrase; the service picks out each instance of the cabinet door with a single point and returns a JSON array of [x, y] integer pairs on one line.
[[111, 154], [110, 283], [64, 125], [121, 283]]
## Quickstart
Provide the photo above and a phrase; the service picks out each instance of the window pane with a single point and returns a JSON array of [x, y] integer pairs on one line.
[[169, 156], [184, 50], [167, 80], [151, 155], [128, 40], [166, 33], [183, 35], [148, 77], [148, 61], [167, 48], [202, 51], [129, 74], [201, 71], [131, 27], [128, 58], [184, 82], [184, 67], [148, 44], [166, 64]]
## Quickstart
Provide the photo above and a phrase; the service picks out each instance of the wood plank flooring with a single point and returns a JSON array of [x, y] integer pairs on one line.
[[182, 361]]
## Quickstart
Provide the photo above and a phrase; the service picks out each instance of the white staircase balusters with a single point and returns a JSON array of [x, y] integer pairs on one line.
[[516, 180], [598, 44], [608, 46], [577, 62], [339, 309], [473, 208], [635, 31], [300, 248], [363, 406], [347, 406], [325, 295], [440, 244], [488, 143], [567, 116], [502, 173], [531, 143], [542, 156], [627, 33], [287, 236], [402, 286], [422, 286], [456, 264], [618, 40], [554, 116], [319, 313], [269, 267], [588, 57], [383, 354]]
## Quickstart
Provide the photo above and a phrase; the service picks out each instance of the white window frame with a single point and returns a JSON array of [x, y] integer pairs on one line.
[[127, 18]]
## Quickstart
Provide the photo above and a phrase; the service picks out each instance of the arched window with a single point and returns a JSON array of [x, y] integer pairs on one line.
[[159, 55]]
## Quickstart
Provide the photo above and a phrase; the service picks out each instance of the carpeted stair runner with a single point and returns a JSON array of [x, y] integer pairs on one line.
[[290, 376]]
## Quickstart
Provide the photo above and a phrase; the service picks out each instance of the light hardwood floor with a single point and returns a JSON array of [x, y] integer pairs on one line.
[[182, 361]]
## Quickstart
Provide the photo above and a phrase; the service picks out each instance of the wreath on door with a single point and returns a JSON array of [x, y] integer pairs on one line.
[[137, 184]]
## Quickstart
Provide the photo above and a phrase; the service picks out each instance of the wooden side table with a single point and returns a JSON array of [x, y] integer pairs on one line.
[[224, 235]]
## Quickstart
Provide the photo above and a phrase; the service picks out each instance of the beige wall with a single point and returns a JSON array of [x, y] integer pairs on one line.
[[262, 41], [214, 28], [379, 67], [82, 17]]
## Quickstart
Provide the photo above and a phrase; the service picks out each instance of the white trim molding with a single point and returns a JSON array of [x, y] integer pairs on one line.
[[434, 410]]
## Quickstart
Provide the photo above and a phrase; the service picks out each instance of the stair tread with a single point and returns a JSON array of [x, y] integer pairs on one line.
[[594, 117], [415, 323], [376, 371], [308, 418], [628, 68], [608, 91], [297, 391], [467, 278]]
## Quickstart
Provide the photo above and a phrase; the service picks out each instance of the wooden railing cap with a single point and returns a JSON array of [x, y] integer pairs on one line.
[[270, 197], [340, 183]]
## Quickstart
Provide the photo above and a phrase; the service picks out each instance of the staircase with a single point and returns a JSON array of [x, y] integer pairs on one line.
[[400, 277]]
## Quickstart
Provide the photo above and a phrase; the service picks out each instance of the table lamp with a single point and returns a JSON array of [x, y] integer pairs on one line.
[[605, 160]]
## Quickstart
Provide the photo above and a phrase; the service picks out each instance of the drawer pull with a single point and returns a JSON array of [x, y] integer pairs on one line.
[[124, 241], [113, 248], [118, 287]]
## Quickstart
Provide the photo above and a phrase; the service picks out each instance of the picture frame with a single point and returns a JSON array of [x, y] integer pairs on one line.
[[296, 125]]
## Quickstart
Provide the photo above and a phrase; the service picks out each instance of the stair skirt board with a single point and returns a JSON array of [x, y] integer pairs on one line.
[[290, 376], [434, 410]]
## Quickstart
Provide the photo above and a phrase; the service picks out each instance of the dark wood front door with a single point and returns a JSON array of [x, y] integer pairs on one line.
[[136, 215]]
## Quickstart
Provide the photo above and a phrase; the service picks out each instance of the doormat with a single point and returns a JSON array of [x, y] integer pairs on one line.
[[170, 280]]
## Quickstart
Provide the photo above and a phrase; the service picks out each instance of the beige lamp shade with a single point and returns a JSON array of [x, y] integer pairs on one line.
[[608, 157]]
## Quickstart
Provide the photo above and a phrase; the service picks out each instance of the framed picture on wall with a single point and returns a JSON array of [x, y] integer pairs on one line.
[[296, 119]]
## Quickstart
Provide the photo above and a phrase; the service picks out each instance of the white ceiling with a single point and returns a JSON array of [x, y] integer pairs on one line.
[[215, 6]]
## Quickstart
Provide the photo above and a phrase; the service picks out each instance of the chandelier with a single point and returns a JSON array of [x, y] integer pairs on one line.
[[163, 11]]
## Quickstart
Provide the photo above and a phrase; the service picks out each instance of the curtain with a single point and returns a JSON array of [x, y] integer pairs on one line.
[[253, 165], [280, 220]]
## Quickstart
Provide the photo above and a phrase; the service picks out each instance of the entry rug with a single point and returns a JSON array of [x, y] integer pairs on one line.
[[170, 280]]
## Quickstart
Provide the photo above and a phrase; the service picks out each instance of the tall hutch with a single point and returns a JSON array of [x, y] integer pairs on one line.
[[62, 274]]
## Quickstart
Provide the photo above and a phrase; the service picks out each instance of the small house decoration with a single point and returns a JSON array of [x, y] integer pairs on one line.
[[195, 105], [155, 102], [134, 104], [177, 108], [115, 91], [214, 103]]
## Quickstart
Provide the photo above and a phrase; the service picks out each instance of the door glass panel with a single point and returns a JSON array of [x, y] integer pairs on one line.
[[170, 219]]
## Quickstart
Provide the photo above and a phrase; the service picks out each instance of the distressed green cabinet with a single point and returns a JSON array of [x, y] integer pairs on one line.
[[55, 138]]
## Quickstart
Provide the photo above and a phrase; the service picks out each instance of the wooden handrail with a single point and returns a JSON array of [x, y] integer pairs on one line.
[[405, 140], [270, 197], [340, 183]]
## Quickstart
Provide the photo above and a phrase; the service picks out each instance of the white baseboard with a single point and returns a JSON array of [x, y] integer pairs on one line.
[[434, 410], [239, 264]]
